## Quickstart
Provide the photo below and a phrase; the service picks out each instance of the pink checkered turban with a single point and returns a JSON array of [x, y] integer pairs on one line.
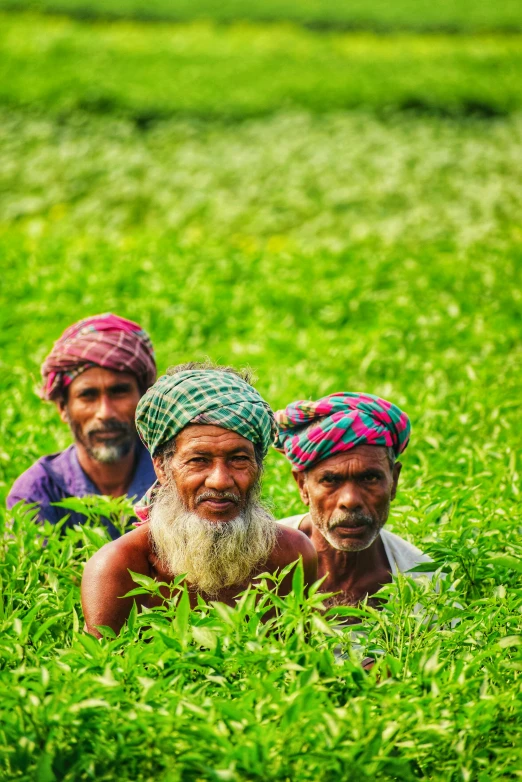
[[309, 432], [106, 341]]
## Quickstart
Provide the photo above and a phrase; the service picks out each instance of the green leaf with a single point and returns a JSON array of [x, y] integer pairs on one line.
[[504, 560], [137, 591], [183, 613], [204, 637], [89, 703], [106, 631], [53, 620], [131, 620], [76, 621], [149, 584], [509, 640], [298, 581], [44, 770]]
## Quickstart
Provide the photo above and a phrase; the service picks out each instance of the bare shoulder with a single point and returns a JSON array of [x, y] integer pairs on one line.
[[292, 543], [130, 552], [106, 579]]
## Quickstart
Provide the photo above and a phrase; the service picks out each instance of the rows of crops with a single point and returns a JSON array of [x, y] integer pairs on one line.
[[379, 15], [339, 210], [146, 73]]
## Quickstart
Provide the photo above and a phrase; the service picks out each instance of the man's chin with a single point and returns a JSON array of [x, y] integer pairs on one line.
[[219, 518], [109, 454], [352, 542]]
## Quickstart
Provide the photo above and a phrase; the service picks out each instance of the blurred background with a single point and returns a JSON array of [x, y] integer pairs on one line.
[[327, 190]]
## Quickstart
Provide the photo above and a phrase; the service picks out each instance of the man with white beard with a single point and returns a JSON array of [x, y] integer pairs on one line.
[[208, 431]]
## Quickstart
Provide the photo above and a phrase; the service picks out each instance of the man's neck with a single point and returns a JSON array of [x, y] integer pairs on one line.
[[110, 479], [354, 573]]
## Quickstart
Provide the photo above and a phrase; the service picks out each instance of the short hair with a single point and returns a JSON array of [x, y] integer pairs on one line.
[[245, 374], [168, 449]]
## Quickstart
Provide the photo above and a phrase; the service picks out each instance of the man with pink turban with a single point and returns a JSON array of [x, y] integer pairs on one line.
[[96, 374], [343, 449]]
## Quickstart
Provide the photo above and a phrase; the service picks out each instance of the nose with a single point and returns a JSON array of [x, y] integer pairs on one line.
[[219, 478], [349, 498], [105, 409]]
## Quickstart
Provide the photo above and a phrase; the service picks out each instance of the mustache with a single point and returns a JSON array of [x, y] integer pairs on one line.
[[117, 427], [355, 519], [218, 495]]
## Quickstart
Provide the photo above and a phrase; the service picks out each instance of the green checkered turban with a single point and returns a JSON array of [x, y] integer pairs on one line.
[[203, 396]]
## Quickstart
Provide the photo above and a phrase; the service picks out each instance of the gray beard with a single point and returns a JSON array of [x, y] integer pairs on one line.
[[327, 527], [110, 454], [212, 555], [106, 453]]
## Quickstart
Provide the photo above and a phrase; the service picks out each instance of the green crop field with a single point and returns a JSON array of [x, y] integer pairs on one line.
[[340, 210], [152, 72], [452, 16]]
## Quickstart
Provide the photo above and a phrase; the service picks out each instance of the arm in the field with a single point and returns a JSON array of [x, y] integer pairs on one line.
[[292, 545], [106, 577]]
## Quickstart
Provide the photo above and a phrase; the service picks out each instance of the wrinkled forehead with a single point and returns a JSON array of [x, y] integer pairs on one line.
[[211, 439], [356, 460], [101, 378]]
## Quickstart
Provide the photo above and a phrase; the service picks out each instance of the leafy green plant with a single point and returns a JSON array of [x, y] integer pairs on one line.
[[376, 250], [217, 693], [452, 16], [118, 510], [348, 179], [205, 71]]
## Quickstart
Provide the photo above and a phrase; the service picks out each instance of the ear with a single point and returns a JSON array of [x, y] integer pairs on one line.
[[397, 467], [157, 463], [300, 479], [62, 410]]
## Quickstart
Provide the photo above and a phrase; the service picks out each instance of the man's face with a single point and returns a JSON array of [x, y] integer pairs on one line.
[[214, 471], [100, 410], [349, 495]]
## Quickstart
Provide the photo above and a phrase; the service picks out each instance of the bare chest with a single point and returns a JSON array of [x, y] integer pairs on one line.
[[352, 588], [226, 595]]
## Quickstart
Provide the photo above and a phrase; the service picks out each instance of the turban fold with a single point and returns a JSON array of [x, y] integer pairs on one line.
[[106, 341], [342, 421], [203, 396], [200, 396]]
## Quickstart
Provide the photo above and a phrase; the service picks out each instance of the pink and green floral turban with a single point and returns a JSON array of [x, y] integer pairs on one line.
[[342, 421], [106, 341]]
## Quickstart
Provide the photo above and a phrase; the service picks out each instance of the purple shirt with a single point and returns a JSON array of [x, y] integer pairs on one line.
[[59, 476]]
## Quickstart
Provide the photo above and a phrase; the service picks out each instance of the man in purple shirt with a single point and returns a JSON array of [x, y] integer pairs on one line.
[[95, 374]]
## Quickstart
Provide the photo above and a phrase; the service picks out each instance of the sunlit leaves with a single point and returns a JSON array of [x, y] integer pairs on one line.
[[216, 687]]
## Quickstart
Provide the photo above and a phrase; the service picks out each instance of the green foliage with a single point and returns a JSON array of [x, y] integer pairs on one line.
[[381, 15], [373, 250], [118, 510], [203, 70], [318, 182], [216, 693]]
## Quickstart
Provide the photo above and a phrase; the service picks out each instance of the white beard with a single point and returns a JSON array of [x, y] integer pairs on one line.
[[212, 555], [110, 454]]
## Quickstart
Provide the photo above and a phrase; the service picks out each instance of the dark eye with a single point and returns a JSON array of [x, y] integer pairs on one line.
[[329, 480], [120, 390], [197, 460], [370, 478], [240, 459], [88, 394]]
